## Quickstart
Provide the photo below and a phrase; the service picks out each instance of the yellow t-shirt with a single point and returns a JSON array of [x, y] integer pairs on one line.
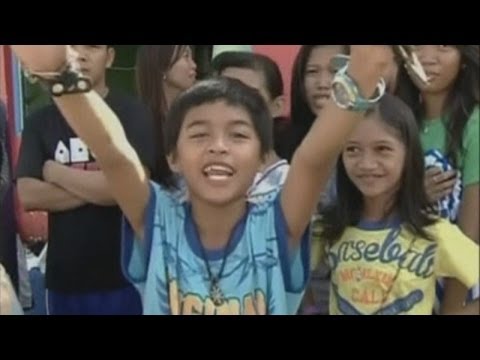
[[389, 272]]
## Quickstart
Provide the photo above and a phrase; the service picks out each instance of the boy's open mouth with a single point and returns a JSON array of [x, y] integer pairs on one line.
[[218, 171]]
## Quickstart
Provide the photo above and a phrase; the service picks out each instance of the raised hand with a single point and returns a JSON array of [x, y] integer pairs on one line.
[[438, 183], [43, 58], [412, 65]]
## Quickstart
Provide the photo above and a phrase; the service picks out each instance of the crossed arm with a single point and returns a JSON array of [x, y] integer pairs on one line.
[[64, 189]]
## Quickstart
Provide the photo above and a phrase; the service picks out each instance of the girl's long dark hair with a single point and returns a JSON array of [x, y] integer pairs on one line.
[[152, 64], [301, 115], [411, 199], [460, 103]]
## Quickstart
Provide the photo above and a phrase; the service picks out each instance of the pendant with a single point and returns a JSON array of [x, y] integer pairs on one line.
[[216, 293]]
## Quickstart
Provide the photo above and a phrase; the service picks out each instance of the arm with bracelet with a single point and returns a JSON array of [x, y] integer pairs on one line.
[[94, 122], [356, 88], [92, 119]]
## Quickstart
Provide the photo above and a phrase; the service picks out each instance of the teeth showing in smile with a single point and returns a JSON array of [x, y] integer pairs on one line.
[[217, 172]]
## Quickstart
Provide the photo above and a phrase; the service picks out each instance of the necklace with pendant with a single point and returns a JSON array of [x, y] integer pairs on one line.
[[215, 291]]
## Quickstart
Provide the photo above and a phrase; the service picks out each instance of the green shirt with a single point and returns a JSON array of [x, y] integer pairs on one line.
[[434, 136]]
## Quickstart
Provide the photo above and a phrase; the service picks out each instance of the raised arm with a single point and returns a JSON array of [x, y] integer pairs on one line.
[[314, 160], [100, 129]]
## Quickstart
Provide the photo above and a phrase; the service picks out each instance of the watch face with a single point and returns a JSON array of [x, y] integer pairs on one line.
[[341, 94]]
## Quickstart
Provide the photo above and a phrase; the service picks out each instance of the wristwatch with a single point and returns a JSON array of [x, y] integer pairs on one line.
[[346, 93]]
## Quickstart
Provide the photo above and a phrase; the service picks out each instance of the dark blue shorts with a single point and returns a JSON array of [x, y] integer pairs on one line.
[[125, 301]]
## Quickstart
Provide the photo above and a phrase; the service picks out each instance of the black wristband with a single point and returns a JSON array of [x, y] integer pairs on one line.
[[69, 81]]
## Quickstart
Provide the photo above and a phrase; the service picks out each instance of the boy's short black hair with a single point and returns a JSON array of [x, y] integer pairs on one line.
[[231, 91]]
